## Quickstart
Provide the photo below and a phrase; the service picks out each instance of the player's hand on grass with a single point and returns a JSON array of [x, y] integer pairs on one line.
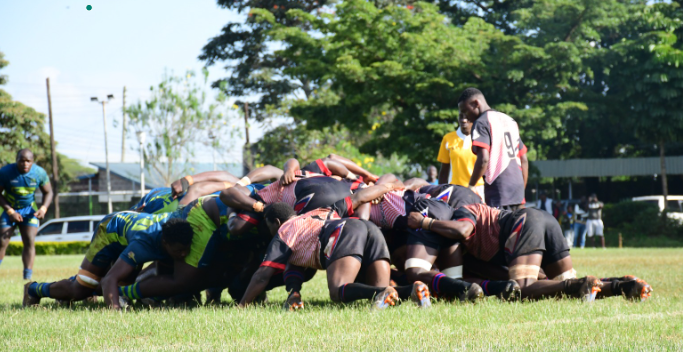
[[287, 178], [415, 220]]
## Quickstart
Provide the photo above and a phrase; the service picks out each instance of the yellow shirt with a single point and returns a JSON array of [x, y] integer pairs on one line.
[[456, 150]]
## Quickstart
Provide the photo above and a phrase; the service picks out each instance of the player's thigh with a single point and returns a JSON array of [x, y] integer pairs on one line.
[[559, 267], [450, 256], [421, 258], [28, 233], [342, 271], [6, 233], [524, 269]]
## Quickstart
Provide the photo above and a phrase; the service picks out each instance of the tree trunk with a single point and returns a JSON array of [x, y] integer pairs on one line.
[[665, 186]]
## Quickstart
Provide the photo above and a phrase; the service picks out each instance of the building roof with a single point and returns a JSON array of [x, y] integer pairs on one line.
[[153, 179], [608, 167]]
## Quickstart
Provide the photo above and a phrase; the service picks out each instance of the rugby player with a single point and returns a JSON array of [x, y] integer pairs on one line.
[[345, 248], [526, 241], [18, 184], [127, 240], [501, 155]]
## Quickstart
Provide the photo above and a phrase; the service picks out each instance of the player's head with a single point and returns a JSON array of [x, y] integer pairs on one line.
[[176, 238], [593, 197], [431, 172], [465, 124], [277, 214], [24, 160], [472, 103], [543, 195]]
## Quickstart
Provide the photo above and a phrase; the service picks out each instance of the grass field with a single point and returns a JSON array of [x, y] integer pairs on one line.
[[560, 325]]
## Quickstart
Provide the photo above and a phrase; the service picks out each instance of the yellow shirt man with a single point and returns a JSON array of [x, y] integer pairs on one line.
[[456, 150]]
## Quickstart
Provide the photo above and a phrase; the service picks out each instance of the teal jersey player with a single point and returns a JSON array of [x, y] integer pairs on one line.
[[19, 191], [160, 200]]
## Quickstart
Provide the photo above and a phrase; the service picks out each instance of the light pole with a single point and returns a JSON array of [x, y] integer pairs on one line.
[[212, 137], [106, 148], [141, 139]]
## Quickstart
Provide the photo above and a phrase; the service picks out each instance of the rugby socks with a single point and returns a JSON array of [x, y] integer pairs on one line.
[[404, 292], [494, 288], [443, 285], [130, 292], [39, 289], [294, 279], [353, 292], [27, 274]]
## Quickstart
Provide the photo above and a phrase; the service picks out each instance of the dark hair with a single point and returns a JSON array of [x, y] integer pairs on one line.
[[469, 93], [280, 211], [177, 230], [25, 152]]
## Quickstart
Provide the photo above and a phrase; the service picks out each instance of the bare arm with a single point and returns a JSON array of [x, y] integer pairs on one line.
[[110, 288], [363, 211], [456, 230], [480, 166], [291, 166], [443, 173], [202, 189], [337, 168], [264, 173], [415, 183], [209, 176], [525, 168], [369, 194], [257, 285], [237, 197], [48, 194], [353, 167]]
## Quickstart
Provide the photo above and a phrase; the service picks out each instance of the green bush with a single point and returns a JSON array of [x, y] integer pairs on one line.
[[641, 224], [51, 248], [618, 214]]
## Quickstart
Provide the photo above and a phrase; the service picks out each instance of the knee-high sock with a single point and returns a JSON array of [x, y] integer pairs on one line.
[[353, 292], [294, 279], [444, 285], [41, 289]]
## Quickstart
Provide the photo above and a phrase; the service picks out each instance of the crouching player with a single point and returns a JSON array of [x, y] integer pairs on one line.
[[346, 248], [124, 239], [525, 241]]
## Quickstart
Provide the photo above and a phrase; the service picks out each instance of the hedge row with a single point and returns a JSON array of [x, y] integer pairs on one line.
[[51, 248]]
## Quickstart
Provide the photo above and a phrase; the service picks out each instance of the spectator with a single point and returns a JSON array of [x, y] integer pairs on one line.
[[456, 158], [580, 214], [594, 225], [544, 203], [431, 175]]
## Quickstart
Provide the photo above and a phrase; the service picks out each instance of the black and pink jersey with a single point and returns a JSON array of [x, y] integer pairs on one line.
[[455, 195], [392, 210]]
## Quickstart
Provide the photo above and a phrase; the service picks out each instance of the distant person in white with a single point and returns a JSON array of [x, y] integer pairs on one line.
[[544, 203], [594, 225]]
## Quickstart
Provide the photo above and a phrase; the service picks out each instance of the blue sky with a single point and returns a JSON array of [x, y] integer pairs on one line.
[[97, 52]]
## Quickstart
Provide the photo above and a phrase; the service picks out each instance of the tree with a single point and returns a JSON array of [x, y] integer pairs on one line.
[[176, 119], [645, 76]]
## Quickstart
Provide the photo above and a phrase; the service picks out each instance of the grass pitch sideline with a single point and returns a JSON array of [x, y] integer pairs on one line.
[[611, 324]]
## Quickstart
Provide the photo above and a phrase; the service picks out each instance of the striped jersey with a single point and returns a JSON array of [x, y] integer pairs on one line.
[[484, 242], [395, 205]]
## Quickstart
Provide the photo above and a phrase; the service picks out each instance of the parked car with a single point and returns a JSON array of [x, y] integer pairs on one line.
[[674, 205], [75, 228]]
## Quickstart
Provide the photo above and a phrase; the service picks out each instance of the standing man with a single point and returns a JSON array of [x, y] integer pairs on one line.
[[456, 158], [594, 225], [18, 184], [580, 214], [501, 155], [543, 203]]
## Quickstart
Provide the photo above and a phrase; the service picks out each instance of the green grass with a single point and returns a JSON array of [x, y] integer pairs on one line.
[[559, 325]]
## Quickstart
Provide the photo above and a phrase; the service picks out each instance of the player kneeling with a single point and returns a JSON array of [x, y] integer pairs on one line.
[[124, 240], [345, 248]]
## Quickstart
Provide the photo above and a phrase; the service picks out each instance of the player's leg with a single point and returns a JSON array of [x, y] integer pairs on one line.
[[6, 232], [28, 230], [72, 289], [419, 265]]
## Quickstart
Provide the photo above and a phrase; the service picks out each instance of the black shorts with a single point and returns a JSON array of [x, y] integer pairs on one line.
[[535, 232], [455, 195], [429, 239], [352, 237]]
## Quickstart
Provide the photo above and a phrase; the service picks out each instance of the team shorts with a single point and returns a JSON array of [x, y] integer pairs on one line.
[[26, 213], [535, 232], [105, 247], [594, 227], [429, 239], [352, 237]]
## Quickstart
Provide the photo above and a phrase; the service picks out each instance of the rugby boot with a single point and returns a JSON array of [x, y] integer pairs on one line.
[[293, 303], [633, 289], [385, 299], [420, 295], [29, 301], [586, 288], [472, 293], [512, 292]]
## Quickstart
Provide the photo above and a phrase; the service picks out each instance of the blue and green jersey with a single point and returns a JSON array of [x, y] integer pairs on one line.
[[20, 188]]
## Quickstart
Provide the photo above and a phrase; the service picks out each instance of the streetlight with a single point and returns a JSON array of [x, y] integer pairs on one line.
[[141, 139], [106, 148]]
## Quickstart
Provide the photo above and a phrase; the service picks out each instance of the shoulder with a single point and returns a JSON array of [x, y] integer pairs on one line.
[[7, 169], [38, 170], [451, 136]]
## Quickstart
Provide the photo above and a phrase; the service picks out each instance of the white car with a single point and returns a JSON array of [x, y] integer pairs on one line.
[[75, 228], [674, 206]]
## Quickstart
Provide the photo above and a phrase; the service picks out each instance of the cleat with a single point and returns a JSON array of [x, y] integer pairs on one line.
[[124, 302], [91, 300], [636, 289], [150, 302], [420, 295], [29, 301], [293, 303], [586, 288], [512, 292], [473, 293], [386, 298]]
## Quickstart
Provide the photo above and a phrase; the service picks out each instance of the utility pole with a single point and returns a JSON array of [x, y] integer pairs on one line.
[[106, 148], [55, 168], [123, 137], [246, 154], [141, 139]]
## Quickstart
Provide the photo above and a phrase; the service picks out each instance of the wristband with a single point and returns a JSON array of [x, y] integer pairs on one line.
[[258, 207], [423, 224], [244, 181], [351, 176], [43, 208], [431, 222], [227, 185], [10, 211], [190, 180]]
